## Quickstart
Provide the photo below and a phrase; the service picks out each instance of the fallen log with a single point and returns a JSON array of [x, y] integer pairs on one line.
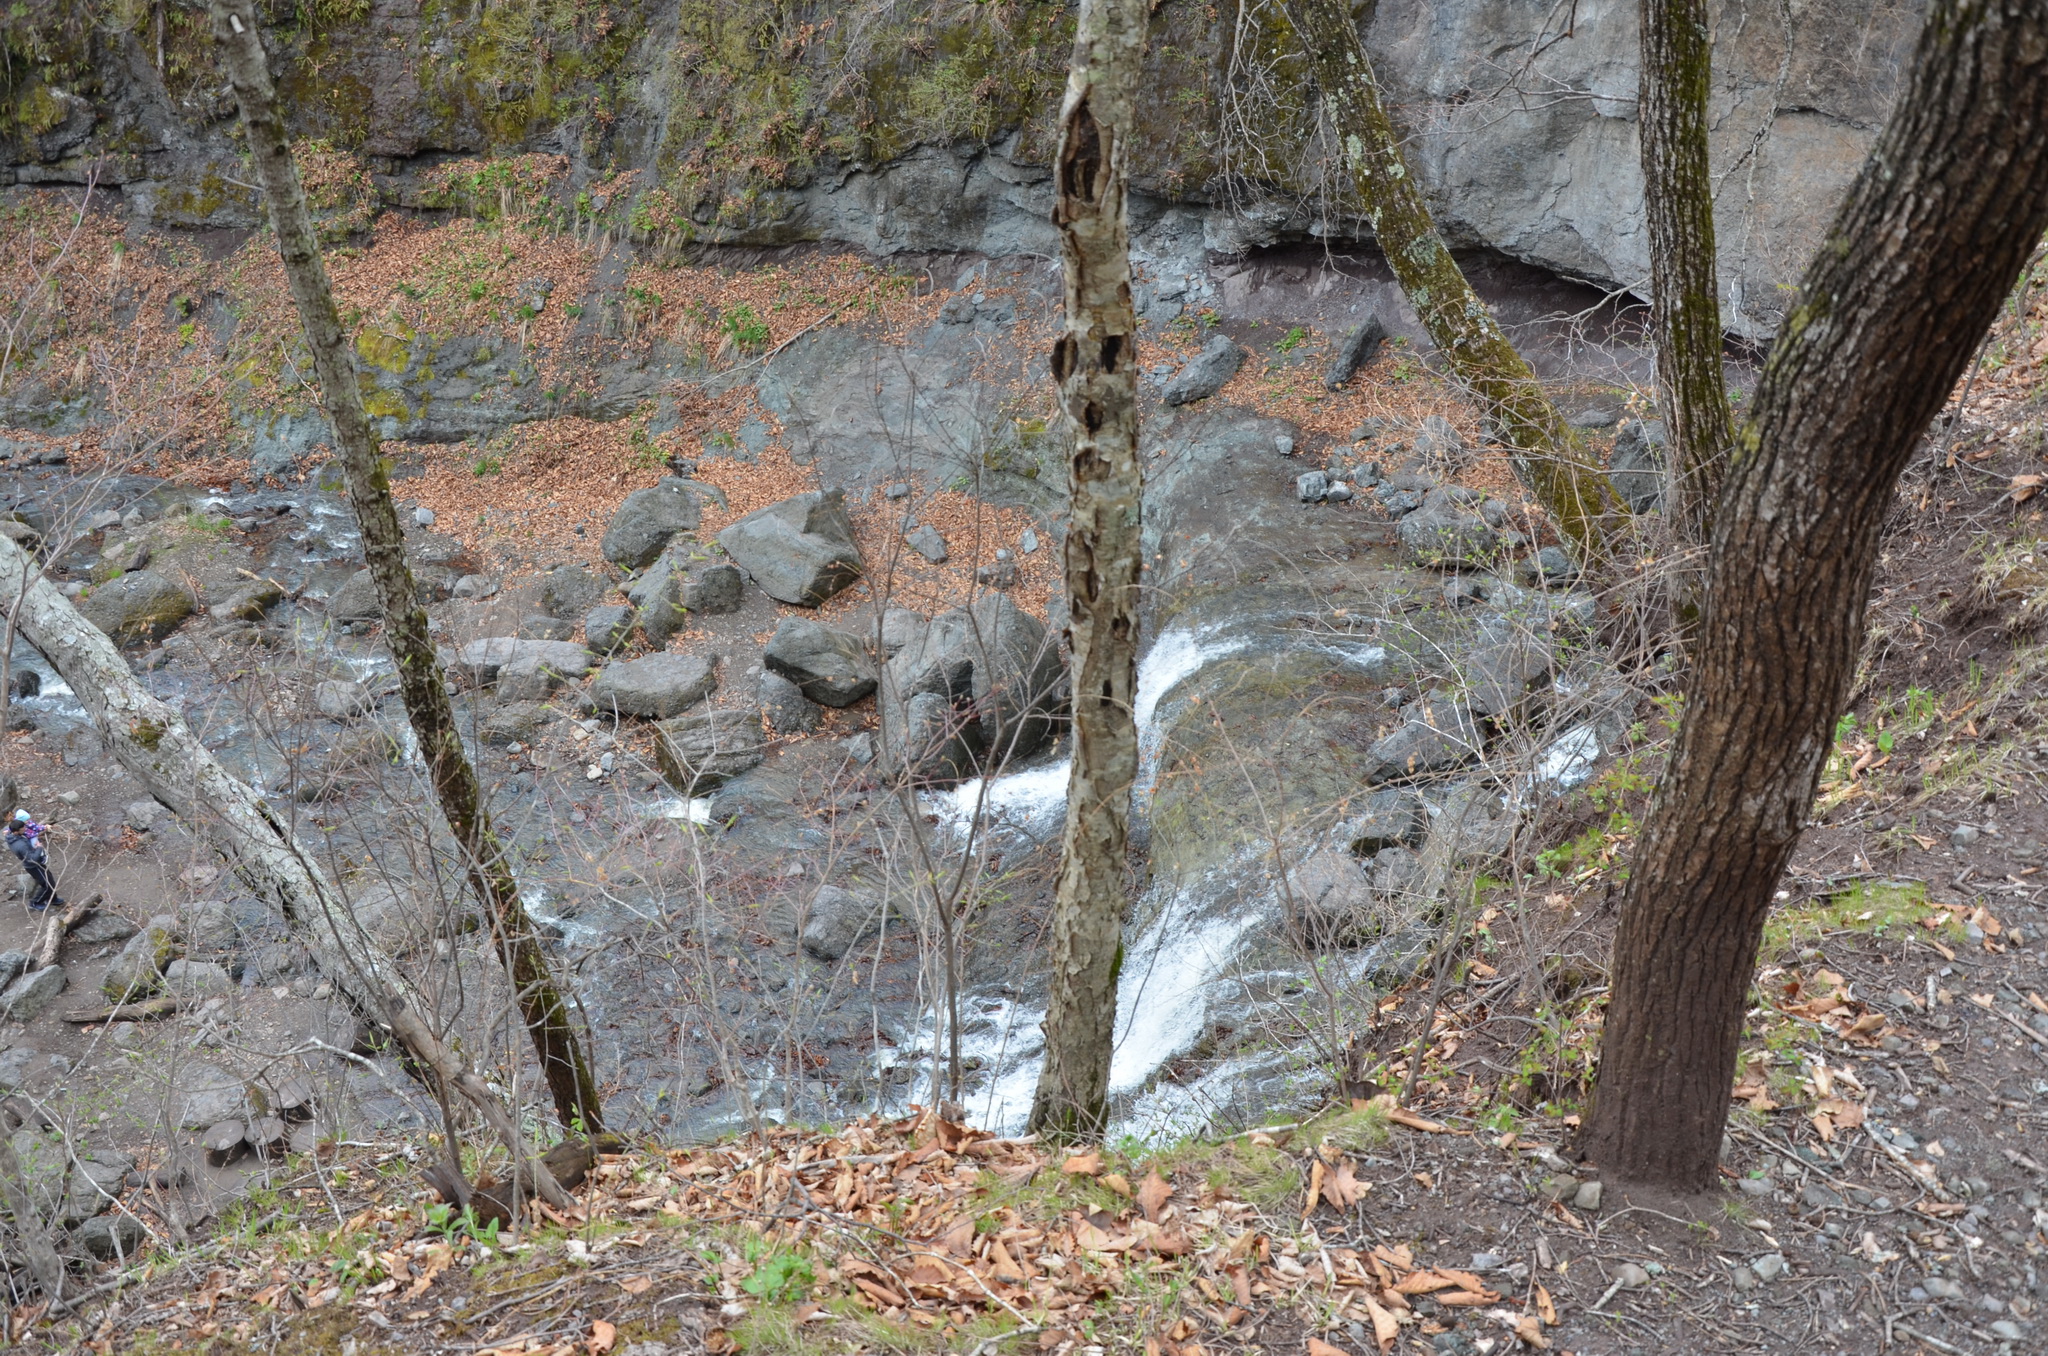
[[147, 1010], [59, 926]]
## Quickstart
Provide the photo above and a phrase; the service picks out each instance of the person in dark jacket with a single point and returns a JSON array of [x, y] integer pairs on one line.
[[25, 841]]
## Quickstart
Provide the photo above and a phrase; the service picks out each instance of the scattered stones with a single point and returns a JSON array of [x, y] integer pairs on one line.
[[687, 578], [646, 521], [342, 699], [1964, 835], [1768, 1267], [30, 996], [926, 541], [699, 752], [830, 667], [658, 686], [1441, 448], [799, 551], [1500, 677], [1447, 537], [1636, 466], [836, 922], [197, 979], [1338, 493], [1438, 736], [13, 965], [138, 607], [784, 706], [1206, 374], [1359, 348], [1311, 486], [1941, 1288], [512, 723]]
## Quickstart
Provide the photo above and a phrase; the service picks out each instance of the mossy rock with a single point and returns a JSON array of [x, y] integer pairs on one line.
[[139, 607]]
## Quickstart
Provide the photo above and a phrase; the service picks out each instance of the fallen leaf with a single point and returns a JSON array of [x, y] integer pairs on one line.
[[1341, 1187], [1385, 1327], [602, 1335], [1318, 1347], [1153, 1193], [1315, 1188], [1083, 1165], [1544, 1306], [637, 1285], [1530, 1329]]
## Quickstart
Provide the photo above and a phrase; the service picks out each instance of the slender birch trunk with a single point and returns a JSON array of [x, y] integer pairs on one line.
[[421, 682], [1678, 199], [1572, 489], [152, 741], [1095, 363]]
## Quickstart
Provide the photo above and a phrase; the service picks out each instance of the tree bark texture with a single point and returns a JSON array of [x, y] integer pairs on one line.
[[1929, 240], [1095, 363], [422, 684], [1678, 200], [1572, 489], [153, 742]]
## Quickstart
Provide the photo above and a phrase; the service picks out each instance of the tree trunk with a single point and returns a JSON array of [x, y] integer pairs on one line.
[[1571, 488], [1931, 237], [421, 683], [152, 741], [1677, 56], [1095, 363]]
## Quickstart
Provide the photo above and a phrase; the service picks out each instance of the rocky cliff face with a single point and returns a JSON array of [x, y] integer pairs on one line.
[[925, 126]]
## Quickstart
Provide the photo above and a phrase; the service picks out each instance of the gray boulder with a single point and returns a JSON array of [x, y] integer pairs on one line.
[[785, 707], [354, 601], [30, 996], [512, 723], [1396, 874], [111, 1237], [483, 661], [1329, 901], [1439, 735], [342, 699], [13, 965], [658, 686], [975, 681], [837, 921], [23, 1067], [1636, 466], [137, 972], [197, 979], [1359, 348], [544, 627], [1392, 817], [1206, 373], [1447, 537], [831, 667], [704, 750], [204, 1095], [800, 551], [249, 602], [606, 629], [569, 590], [926, 541], [1311, 487], [99, 930], [646, 521], [1500, 677], [688, 577], [139, 607]]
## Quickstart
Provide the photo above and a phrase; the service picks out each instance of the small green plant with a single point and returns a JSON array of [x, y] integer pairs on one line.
[[456, 1226], [486, 465], [744, 327], [479, 290], [573, 310], [185, 332], [779, 1278], [1293, 340]]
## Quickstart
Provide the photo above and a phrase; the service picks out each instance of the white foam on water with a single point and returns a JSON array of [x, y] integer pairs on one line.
[[1163, 991], [1033, 800], [1175, 657], [692, 810]]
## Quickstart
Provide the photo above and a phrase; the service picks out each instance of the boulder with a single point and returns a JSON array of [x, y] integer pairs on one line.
[[1636, 466], [137, 972], [569, 590], [204, 1095], [99, 930], [1391, 817], [139, 607], [1439, 735], [688, 577], [657, 686], [24, 1068], [197, 979], [784, 706], [1359, 348], [30, 996], [354, 601], [209, 928], [974, 681], [533, 677], [512, 723], [1447, 537], [1311, 487], [249, 602], [646, 521], [342, 699], [606, 629], [900, 628], [1207, 372], [831, 667], [482, 661], [926, 541], [1500, 677], [699, 752], [1329, 901], [543, 627], [111, 1237], [837, 921], [800, 551], [13, 965]]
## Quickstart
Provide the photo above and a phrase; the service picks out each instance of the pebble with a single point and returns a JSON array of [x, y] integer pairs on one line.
[[899, 490], [1743, 1278], [1285, 444], [1630, 1275], [2009, 1330], [1941, 1287], [1964, 834], [1338, 493], [1311, 486], [423, 517], [1028, 543], [1587, 1197], [1768, 1267], [1487, 1261]]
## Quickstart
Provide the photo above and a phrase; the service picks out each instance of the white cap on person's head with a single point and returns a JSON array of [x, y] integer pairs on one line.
[[21, 817]]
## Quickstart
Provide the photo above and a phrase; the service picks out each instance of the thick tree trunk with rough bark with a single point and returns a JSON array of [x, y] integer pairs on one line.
[[1677, 56], [1572, 489], [153, 742], [1095, 363], [421, 682], [1930, 239]]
